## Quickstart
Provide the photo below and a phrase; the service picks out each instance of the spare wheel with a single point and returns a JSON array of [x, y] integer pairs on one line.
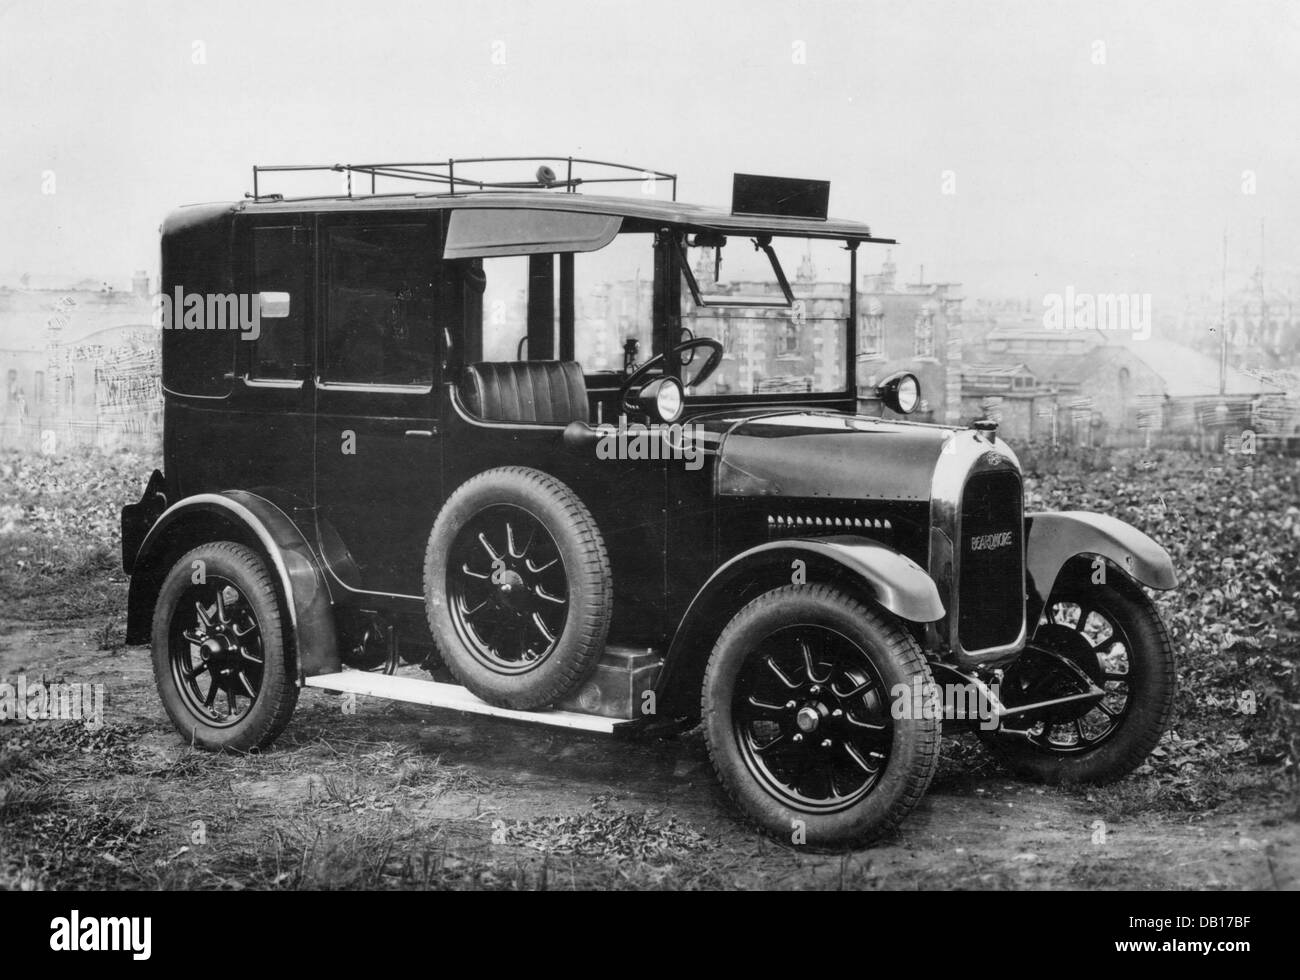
[[517, 587]]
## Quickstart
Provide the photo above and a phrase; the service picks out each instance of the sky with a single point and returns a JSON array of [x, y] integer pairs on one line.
[[1016, 147]]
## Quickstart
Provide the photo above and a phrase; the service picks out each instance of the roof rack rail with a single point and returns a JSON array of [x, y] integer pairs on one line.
[[444, 173]]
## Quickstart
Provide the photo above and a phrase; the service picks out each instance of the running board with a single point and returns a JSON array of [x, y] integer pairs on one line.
[[434, 694]]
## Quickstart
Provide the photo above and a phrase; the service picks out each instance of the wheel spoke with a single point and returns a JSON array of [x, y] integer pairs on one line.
[[510, 543], [482, 539], [204, 616], [212, 691], [859, 759], [532, 536], [243, 679], [864, 726], [870, 741], [192, 672], [538, 569], [543, 594], [221, 606], [780, 674], [853, 692], [1084, 613], [191, 636], [543, 629], [778, 739], [808, 663], [766, 707], [465, 570]]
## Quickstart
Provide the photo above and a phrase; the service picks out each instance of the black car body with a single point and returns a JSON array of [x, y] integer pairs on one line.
[[331, 460]]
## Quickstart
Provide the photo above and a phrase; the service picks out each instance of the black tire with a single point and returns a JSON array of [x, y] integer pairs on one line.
[[1114, 738], [492, 600], [849, 685], [240, 659]]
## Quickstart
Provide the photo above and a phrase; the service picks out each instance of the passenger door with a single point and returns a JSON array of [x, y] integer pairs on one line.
[[262, 440], [378, 450]]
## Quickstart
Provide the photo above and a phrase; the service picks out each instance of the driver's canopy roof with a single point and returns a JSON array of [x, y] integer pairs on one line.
[[761, 320]]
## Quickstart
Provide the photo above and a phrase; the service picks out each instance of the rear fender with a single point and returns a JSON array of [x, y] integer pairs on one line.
[[256, 522]]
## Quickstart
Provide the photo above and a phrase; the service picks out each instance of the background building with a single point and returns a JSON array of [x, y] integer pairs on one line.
[[81, 364]]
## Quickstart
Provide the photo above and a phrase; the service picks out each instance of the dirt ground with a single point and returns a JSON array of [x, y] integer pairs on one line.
[[396, 796]]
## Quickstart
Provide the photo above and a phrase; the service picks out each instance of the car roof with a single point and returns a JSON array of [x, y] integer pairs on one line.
[[646, 209]]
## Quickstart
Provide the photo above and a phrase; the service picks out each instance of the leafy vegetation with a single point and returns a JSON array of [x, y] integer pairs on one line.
[[351, 801], [60, 536], [1232, 526]]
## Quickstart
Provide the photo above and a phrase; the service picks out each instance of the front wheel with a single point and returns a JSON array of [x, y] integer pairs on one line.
[[1115, 637], [219, 656], [801, 717]]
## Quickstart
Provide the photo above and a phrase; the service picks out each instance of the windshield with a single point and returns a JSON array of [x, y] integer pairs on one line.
[[774, 341]]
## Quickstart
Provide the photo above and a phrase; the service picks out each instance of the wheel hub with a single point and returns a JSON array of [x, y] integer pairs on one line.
[[512, 590], [216, 647], [809, 717]]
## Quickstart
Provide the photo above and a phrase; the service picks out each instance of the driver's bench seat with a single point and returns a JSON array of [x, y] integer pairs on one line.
[[538, 392]]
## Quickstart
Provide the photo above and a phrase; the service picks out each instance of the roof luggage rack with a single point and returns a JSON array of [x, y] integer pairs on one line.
[[444, 174]]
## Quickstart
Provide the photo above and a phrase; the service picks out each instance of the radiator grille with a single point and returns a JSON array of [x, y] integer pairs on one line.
[[991, 583]]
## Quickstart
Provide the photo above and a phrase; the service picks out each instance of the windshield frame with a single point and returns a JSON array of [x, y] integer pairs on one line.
[[844, 399]]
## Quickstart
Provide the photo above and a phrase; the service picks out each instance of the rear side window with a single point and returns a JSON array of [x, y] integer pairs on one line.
[[379, 304], [280, 257], [196, 262]]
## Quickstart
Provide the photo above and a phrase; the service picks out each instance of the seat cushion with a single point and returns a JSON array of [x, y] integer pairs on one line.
[[543, 392]]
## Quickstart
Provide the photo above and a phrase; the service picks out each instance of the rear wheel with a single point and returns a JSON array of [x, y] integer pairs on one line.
[[219, 657], [802, 721]]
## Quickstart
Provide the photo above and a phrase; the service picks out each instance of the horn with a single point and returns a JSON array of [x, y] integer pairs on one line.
[[545, 175]]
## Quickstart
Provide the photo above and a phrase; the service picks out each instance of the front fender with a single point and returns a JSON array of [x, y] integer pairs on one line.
[[891, 579], [255, 521], [1052, 539]]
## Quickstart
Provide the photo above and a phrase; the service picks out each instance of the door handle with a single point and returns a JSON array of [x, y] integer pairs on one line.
[[422, 433]]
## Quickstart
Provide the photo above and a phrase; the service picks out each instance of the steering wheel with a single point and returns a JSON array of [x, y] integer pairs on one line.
[[638, 377]]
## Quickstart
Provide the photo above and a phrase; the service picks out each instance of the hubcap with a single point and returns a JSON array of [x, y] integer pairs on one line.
[[807, 718]]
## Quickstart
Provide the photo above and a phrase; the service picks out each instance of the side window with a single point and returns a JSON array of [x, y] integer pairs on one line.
[[613, 291], [379, 305], [613, 302], [505, 309], [280, 266]]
